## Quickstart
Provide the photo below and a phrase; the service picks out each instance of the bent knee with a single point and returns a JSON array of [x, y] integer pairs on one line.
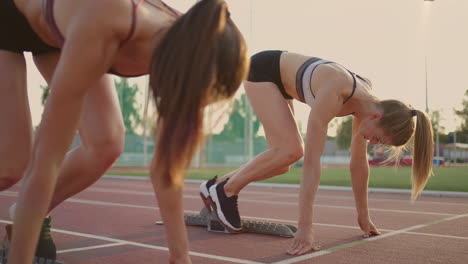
[[293, 154], [107, 152], [283, 170]]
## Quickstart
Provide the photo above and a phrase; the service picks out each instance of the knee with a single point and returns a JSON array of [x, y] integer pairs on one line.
[[292, 154], [10, 176], [107, 151], [283, 170]]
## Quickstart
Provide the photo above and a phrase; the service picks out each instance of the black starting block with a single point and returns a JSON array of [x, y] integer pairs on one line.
[[6, 244], [211, 221]]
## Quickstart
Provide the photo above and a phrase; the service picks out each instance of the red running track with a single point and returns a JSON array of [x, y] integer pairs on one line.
[[113, 222]]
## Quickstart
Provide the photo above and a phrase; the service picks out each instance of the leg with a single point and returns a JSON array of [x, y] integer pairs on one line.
[[101, 131], [102, 136], [284, 148], [15, 116], [284, 140], [280, 171]]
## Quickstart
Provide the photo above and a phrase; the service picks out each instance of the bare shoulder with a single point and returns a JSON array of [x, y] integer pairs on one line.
[[110, 16], [335, 77], [334, 73]]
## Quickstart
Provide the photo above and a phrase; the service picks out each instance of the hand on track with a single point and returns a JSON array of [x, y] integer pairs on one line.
[[303, 242]]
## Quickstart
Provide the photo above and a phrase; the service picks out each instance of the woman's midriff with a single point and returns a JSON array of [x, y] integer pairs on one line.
[[289, 65]]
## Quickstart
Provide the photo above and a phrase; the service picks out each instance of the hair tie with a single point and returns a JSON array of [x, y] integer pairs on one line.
[[414, 112]]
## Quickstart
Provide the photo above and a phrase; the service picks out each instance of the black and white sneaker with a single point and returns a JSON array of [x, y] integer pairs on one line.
[[205, 192], [226, 208]]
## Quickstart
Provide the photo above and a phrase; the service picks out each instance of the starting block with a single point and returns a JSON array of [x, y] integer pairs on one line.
[[4, 251], [211, 221]]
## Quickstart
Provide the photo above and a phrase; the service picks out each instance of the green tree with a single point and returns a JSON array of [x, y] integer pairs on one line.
[[234, 128], [344, 133], [45, 94], [463, 114], [127, 99], [128, 103], [435, 120]]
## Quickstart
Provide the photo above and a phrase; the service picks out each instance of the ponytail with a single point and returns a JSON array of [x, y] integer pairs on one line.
[[423, 154], [201, 59], [398, 122]]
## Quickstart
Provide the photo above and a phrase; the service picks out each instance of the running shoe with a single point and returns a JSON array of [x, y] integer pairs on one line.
[[226, 208], [205, 192]]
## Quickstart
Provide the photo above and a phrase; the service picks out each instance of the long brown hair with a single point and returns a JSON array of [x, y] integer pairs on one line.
[[201, 59], [398, 123]]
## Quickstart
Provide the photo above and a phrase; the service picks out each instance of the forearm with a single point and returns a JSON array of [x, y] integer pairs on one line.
[[53, 139], [32, 206], [170, 200], [360, 182], [308, 190]]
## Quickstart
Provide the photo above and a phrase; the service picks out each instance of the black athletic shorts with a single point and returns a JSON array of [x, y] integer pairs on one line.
[[16, 35], [265, 67]]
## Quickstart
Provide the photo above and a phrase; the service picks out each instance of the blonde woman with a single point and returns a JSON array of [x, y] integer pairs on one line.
[[193, 59], [278, 77]]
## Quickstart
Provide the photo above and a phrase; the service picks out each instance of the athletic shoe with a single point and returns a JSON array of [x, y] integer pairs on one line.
[[205, 192], [225, 207], [46, 247]]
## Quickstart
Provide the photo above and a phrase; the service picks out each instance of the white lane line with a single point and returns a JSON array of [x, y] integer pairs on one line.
[[8, 193], [143, 245], [264, 219], [190, 183], [436, 235], [89, 248], [105, 190], [363, 241]]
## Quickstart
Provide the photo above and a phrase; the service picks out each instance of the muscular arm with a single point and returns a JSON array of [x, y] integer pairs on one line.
[[327, 104], [170, 202], [85, 58], [359, 168]]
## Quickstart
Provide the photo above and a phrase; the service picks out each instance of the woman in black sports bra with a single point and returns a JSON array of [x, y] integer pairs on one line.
[[275, 78], [74, 45]]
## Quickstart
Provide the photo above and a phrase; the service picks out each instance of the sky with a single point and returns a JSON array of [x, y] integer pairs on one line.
[[393, 43]]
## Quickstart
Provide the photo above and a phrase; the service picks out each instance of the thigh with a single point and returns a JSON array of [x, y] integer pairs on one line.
[[15, 117], [274, 112], [101, 119]]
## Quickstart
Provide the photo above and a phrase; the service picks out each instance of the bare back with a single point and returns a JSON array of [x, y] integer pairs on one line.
[[323, 75], [152, 20]]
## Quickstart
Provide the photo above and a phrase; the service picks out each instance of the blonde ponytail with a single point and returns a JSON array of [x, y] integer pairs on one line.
[[423, 154]]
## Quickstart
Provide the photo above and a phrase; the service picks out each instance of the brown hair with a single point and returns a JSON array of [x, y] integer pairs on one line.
[[201, 59], [398, 123]]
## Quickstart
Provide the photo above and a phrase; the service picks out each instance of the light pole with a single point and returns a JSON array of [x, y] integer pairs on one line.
[[425, 67], [248, 128], [427, 106]]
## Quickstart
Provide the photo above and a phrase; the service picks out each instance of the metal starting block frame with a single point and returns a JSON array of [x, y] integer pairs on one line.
[[210, 220]]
